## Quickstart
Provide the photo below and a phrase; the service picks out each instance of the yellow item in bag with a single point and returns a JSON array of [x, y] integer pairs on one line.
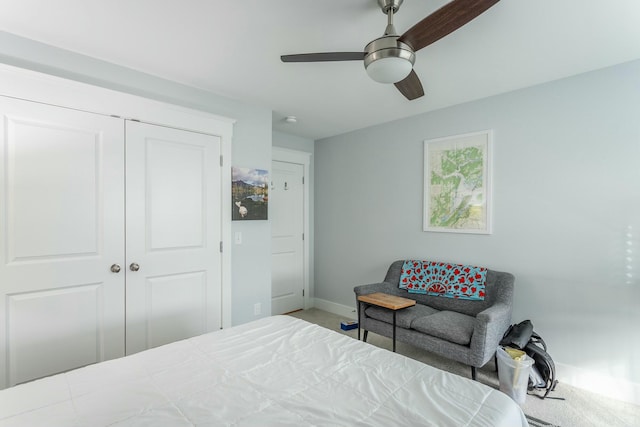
[[515, 353]]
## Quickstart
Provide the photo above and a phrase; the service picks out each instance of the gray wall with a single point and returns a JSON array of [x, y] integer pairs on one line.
[[293, 142], [251, 147], [566, 217]]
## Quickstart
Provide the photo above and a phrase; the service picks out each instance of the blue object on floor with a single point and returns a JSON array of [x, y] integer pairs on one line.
[[347, 325]]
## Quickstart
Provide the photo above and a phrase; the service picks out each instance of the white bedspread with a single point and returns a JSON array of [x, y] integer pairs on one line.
[[277, 371]]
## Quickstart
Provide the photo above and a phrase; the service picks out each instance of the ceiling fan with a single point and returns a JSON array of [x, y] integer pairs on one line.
[[390, 58]]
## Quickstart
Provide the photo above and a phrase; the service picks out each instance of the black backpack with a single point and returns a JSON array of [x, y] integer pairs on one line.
[[542, 375]]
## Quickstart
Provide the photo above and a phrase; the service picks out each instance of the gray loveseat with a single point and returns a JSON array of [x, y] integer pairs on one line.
[[462, 330]]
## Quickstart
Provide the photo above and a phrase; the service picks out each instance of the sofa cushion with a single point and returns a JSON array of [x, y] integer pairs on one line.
[[448, 325], [404, 317]]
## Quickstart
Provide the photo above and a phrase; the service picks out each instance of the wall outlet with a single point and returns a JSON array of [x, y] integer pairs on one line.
[[257, 309]]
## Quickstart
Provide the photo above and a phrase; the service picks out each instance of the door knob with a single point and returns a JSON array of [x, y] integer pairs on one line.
[[115, 268], [134, 267]]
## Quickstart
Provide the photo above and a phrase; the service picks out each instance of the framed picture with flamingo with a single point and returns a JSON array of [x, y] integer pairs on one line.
[[249, 194]]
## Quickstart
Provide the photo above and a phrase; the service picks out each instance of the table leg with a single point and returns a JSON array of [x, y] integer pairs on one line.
[[359, 303], [394, 331]]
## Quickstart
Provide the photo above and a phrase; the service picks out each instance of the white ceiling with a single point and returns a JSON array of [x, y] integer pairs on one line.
[[233, 48]]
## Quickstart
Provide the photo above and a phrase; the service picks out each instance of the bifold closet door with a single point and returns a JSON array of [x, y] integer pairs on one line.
[[173, 229], [61, 231]]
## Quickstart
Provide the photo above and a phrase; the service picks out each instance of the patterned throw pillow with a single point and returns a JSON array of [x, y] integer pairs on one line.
[[442, 279]]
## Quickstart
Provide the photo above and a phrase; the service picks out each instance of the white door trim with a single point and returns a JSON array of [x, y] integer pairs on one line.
[[302, 158], [39, 87]]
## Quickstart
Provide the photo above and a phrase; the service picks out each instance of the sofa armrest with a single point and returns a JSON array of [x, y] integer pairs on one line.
[[385, 287], [499, 313], [490, 326]]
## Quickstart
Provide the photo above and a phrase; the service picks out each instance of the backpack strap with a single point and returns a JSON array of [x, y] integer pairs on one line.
[[537, 339]]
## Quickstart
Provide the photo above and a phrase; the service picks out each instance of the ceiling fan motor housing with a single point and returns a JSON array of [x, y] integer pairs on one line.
[[388, 60], [386, 5]]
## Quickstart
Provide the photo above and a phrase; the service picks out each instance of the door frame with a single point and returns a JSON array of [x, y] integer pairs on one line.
[[303, 158], [34, 86]]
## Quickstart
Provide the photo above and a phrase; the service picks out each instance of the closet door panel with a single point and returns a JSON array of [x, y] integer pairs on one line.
[[171, 315], [61, 220], [176, 183], [58, 211], [36, 320], [173, 235]]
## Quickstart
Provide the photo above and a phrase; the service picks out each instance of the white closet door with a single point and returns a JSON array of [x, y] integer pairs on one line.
[[173, 235], [61, 209]]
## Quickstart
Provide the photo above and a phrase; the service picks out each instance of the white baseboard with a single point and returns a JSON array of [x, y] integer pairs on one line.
[[598, 383], [335, 308]]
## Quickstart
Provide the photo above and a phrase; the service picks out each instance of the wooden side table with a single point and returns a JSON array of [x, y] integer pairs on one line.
[[390, 302]]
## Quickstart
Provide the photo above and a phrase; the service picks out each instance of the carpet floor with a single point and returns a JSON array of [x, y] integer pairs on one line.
[[577, 408]]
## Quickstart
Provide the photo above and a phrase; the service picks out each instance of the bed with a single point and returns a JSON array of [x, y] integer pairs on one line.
[[276, 371]]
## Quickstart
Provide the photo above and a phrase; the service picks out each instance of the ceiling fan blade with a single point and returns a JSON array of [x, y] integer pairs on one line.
[[322, 57], [410, 86], [444, 21]]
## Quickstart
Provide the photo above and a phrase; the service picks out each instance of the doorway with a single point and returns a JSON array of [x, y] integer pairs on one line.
[[289, 210]]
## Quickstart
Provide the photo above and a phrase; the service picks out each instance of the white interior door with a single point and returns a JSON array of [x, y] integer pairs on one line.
[[173, 235], [286, 200], [61, 210]]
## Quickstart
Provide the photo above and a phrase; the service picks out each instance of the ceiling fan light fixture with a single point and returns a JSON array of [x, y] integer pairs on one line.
[[388, 60], [389, 70]]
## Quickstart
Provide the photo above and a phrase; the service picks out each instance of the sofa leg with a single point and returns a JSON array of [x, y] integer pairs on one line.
[[473, 373], [364, 337]]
